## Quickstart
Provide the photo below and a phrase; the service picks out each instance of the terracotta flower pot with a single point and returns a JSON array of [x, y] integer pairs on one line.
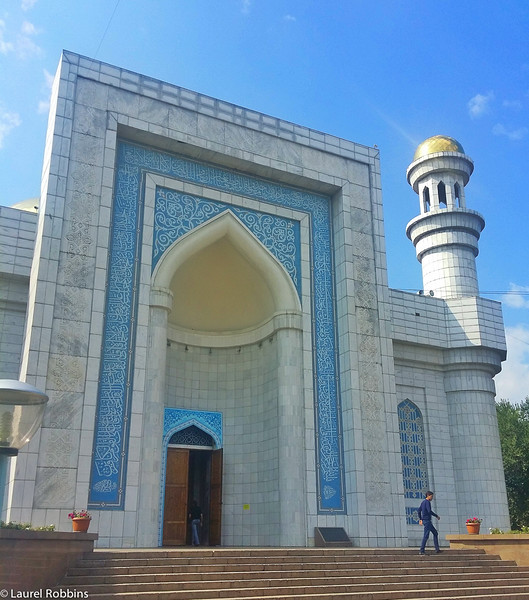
[[80, 525], [473, 528]]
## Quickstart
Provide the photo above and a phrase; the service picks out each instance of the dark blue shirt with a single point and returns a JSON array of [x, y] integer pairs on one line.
[[425, 511]]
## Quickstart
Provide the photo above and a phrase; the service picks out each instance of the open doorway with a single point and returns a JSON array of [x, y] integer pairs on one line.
[[192, 474]]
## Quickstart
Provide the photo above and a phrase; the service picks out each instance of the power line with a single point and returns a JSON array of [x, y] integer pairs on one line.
[[502, 292], [108, 25], [519, 340], [508, 292]]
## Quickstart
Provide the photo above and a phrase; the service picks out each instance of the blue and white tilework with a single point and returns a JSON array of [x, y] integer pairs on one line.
[[175, 420], [176, 214], [413, 455], [108, 476]]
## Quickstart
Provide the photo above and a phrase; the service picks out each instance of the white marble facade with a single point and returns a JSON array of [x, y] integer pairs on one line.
[[195, 258]]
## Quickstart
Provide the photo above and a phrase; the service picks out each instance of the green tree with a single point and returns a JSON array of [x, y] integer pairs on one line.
[[513, 423]]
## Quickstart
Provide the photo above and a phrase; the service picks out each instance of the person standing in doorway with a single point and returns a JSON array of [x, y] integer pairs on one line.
[[425, 518], [195, 516]]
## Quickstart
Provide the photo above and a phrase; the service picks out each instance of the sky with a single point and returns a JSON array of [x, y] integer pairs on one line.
[[388, 73]]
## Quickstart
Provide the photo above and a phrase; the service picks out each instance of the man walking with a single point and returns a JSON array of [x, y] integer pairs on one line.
[[195, 516], [425, 518]]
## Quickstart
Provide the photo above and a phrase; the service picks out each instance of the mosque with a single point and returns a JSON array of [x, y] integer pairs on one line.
[[203, 296]]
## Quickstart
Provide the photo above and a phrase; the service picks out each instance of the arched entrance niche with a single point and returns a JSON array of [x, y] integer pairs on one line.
[[234, 346], [191, 470]]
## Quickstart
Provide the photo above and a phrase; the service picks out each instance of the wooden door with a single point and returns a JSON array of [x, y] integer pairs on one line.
[[175, 505], [215, 506]]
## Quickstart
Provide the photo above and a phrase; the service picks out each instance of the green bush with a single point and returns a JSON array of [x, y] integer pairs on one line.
[[25, 526], [496, 530], [523, 529]]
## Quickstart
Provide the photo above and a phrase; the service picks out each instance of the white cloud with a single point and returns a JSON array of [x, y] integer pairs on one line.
[[479, 105], [512, 134], [8, 122], [512, 104], [28, 28], [44, 105], [246, 6], [513, 382], [28, 4], [5, 47], [289, 18], [517, 297], [49, 77], [25, 46]]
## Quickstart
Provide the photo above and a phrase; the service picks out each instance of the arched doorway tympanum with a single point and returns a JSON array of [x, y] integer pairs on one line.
[[193, 472]]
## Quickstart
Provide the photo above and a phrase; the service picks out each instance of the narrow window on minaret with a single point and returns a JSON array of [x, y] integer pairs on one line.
[[441, 190], [426, 200], [457, 193]]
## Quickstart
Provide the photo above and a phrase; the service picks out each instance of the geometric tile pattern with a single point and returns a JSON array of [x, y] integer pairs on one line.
[[279, 235], [413, 456], [191, 436], [176, 213], [177, 421]]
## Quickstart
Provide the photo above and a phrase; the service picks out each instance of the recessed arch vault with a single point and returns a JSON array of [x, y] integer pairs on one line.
[[223, 279]]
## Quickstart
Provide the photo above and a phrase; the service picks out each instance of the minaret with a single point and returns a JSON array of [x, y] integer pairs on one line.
[[445, 236], [446, 233]]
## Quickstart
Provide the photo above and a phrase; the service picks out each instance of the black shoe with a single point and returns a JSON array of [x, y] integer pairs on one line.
[[422, 553], [438, 551]]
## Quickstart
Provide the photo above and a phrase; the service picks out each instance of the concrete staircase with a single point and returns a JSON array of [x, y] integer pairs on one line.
[[290, 573]]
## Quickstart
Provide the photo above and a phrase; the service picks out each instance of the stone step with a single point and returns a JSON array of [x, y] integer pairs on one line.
[[204, 551], [512, 592], [310, 562], [452, 572], [308, 574], [218, 554], [312, 571], [309, 555], [319, 578], [265, 587]]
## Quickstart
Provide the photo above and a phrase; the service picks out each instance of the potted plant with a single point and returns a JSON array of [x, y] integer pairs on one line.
[[80, 520], [473, 525]]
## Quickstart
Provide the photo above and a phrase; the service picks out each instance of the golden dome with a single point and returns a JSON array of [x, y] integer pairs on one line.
[[437, 143]]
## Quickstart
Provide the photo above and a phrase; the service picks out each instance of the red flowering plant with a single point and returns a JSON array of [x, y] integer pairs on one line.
[[80, 514], [473, 520]]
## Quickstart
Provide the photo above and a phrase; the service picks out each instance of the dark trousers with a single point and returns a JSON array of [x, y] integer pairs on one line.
[[429, 528]]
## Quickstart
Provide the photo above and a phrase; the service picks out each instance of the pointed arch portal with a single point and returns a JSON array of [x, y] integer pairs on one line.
[[183, 471], [224, 279], [247, 232]]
